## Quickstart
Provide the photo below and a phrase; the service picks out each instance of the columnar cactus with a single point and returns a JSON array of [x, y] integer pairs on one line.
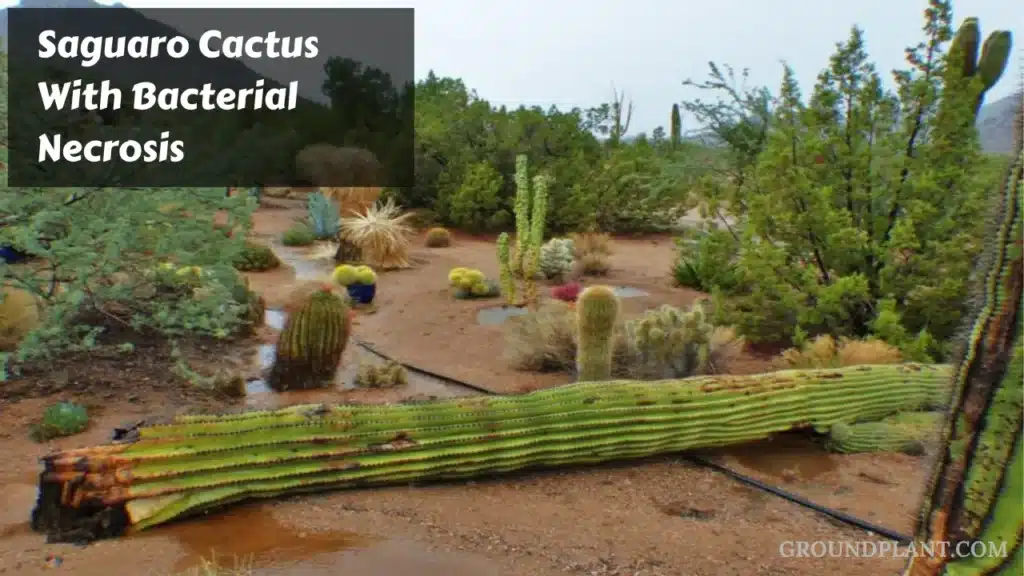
[[995, 54], [676, 134], [522, 211], [311, 343], [597, 311], [508, 281]]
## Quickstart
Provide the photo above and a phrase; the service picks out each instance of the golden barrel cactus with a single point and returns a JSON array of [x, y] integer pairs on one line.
[[311, 343]]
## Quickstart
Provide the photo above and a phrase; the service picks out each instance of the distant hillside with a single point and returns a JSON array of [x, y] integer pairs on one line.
[[995, 124]]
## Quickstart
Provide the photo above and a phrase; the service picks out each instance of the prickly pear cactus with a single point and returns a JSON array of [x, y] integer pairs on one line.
[[508, 280], [670, 343], [311, 344], [597, 311], [556, 258], [974, 499]]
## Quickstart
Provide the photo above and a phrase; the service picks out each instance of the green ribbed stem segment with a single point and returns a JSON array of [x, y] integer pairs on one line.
[[200, 462]]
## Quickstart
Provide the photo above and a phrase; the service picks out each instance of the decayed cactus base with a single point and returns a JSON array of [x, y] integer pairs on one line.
[[85, 523], [284, 376]]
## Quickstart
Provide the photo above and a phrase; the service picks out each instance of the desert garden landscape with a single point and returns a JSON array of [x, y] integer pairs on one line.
[[741, 284]]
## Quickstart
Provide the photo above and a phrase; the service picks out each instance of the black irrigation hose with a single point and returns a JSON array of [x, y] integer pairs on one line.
[[901, 539]]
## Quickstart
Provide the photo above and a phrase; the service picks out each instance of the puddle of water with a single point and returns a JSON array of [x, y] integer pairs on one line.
[[305, 268], [792, 457], [274, 318], [498, 314], [394, 558], [249, 535], [629, 292]]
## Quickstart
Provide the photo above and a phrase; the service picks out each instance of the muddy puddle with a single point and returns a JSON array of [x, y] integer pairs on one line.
[[629, 292], [252, 538], [787, 457], [498, 314], [421, 386]]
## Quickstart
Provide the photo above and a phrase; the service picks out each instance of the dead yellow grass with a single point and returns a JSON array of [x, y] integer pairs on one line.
[[352, 200], [381, 234], [826, 352], [591, 250], [19, 315], [239, 567]]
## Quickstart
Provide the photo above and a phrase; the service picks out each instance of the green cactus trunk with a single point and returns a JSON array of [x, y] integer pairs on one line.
[[311, 344], [989, 67], [597, 311], [676, 135], [976, 492], [203, 462], [908, 433], [508, 281], [522, 211]]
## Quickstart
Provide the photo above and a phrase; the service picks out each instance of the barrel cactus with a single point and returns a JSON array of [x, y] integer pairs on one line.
[[311, 343], [596, 314]]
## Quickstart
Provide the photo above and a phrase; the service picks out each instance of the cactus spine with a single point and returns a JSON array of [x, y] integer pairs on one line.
[[522, 211], [989, 68], [508, 281], [311, 344], [977, 485], [597, 311]]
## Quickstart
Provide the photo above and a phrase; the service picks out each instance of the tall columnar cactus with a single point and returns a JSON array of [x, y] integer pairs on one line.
[[311, 343], [197, 463], [597, 311], [977, 485], [538, 216], [676, 134], [669, 342], [995, 54], [522, 211], [508, 281]]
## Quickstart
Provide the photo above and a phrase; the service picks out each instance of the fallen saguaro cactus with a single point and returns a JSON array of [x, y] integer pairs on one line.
[[201, 462]]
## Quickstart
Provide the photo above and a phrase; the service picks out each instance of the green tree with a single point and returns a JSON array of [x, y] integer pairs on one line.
[[860, 209], [477, 206]]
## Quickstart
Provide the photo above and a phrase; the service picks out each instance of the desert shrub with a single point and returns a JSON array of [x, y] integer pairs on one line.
[[826, 352], [388, 375], [543, 340], [322, 216], [19, 315], [256, 257], [567, 292], [705, 263], [438, 238], [556, 259], [594, 264], [476, 204], [298, 235], [59, 420], [584, 243], [381, 235]]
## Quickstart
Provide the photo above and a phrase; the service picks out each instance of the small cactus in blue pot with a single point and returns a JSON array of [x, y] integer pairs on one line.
[[360, 281]]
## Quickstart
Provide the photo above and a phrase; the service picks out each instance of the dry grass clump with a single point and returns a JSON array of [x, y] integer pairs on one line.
[[388, 375], [19, 315], [381, 235], [825, 352], [724, 348], [240, 567], [591, 251]]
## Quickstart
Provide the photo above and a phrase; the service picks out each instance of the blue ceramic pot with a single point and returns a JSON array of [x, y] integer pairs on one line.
[[362, 293], [10, 255]]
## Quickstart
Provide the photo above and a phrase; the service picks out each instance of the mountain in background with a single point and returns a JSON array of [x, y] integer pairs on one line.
[[995, 124]]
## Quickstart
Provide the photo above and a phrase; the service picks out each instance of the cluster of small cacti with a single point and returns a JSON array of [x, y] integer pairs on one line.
[[531, 207], [567, 292], [670, 343], [388, 375], [471, 283], [597, 312], [989, 67], [61, 419], [256, 257], [348, 275], [438, 238], [556, 258], [311, 343]]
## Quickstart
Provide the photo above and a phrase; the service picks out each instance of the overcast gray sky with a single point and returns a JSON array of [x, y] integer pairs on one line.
[[571, 52]]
